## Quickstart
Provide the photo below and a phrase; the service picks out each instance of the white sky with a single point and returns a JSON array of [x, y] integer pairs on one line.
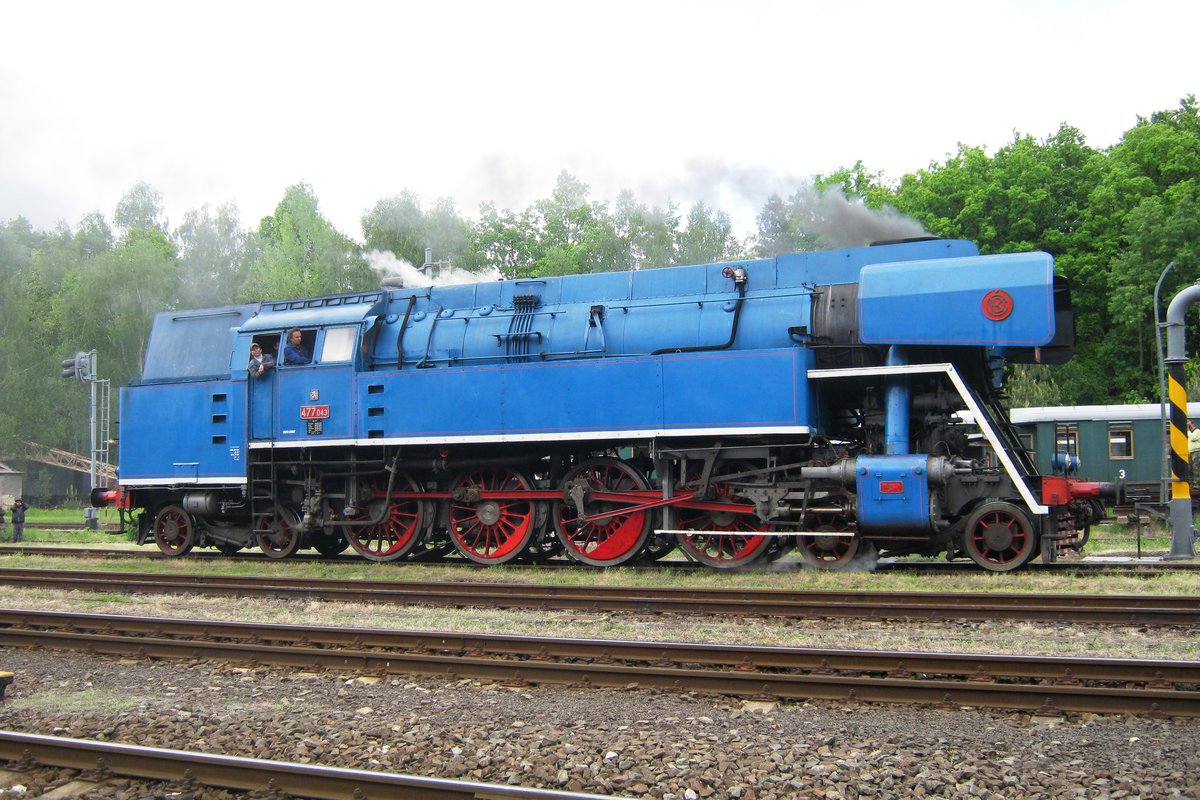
[[218, 101]]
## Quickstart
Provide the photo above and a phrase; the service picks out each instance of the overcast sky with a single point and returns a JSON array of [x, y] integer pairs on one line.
[[214, 101]]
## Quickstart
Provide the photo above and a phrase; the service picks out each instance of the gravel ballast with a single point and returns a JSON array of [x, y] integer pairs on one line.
[[633, 743]]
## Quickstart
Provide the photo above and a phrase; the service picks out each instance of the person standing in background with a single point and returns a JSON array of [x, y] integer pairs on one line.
[[18, 519]]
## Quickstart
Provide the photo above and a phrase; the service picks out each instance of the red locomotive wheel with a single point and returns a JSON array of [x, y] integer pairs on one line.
[[724, 543], [999, 537], [174, 532], [491, 531], [829, 551], [613, 539], [278, 532], [400, 531]]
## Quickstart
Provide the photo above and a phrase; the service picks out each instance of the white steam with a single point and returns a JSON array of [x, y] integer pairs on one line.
[[397, 271]]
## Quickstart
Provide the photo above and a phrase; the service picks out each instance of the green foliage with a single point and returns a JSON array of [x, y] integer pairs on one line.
[[1113, 219], [301, 254]]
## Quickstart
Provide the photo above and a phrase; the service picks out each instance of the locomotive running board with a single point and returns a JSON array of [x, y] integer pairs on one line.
[[961, 387]]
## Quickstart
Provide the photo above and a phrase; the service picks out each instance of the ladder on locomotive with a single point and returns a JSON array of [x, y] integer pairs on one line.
[[263, 482]]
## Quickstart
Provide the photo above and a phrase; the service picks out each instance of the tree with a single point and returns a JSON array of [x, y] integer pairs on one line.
[[213, 253], [708, 237], [140, 208], [300, 254]]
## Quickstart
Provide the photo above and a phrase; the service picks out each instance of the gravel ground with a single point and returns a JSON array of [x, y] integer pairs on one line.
[[633, 743]]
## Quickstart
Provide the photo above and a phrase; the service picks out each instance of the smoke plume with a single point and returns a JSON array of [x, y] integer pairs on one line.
[[398, 272]]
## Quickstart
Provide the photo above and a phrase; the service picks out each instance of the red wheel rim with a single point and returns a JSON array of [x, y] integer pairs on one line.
[[610, 540], [173, 531], [491, 530], [277, 534], [832, 551], [396, 535], [999, 537], [723, 550]]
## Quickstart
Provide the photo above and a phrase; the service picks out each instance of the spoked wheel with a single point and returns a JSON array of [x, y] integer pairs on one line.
[[829, 550], [174, 531], [490, 531], [727, 539], [612, 539], [999, 537], [278, 532], [398, 533]]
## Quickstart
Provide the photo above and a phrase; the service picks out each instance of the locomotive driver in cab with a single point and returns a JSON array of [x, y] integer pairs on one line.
[[294, 352]]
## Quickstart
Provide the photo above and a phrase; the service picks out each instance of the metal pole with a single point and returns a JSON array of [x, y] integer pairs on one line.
[[1183, 535], [1163, 471]]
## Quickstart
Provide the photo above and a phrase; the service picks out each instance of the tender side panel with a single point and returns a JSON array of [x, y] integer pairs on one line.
[[183, 433]]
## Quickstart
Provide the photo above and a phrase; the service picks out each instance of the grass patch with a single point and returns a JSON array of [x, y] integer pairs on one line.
[[85, 701]]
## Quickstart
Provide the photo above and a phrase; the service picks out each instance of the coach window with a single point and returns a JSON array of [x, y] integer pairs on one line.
[[1027, 441], [1066, 439], [1120, 441], [339, 344]]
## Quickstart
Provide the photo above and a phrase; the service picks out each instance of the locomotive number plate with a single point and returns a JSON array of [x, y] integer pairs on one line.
[[314, 412]]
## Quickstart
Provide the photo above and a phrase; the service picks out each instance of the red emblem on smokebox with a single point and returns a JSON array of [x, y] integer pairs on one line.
[[997, 305]]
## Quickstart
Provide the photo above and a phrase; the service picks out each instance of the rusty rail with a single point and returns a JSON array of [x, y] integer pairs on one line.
[[1070, 608], [101, 759], [1039, 684]]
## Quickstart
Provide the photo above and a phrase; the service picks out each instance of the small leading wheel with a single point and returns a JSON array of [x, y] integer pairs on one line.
[[999, 537], [726, 539], [609, 540], [398, 533], [278, 532], [491, 530], [829, 549], [174, 531]]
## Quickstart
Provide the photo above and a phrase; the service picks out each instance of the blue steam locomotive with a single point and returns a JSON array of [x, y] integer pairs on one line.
[[732, 411]]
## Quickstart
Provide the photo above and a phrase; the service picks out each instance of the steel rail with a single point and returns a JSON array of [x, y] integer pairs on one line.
[[102, 759], [1153, 687], [1069, 608], [1162, 672]]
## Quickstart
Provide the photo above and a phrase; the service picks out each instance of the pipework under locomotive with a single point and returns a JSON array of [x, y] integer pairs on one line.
[[843, 403]]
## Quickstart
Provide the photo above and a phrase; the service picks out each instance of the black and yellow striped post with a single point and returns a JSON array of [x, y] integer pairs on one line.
[[1181, 465], [1183, 533]]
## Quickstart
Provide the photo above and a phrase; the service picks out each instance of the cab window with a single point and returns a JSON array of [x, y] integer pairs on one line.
[[338, 344]]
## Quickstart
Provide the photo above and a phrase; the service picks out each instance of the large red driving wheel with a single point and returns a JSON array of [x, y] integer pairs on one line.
[[491, 531], [174, 531], [727, 539], [611, 539], [999, 537], [398, 532], [278, 532]]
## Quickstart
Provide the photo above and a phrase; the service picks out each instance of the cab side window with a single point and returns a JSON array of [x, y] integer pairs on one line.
[[338, 344]]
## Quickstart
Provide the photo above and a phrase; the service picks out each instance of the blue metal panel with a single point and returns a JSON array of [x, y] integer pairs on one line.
[[314, 403], [843, 266], [577, 397], [192, 344], [188, 433], [336, 310], [893, 493], [993, 301]]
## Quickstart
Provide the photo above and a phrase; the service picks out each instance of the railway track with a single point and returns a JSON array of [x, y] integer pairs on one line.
[[1066, 608], [1094, 565], [98, 761], [1037, 684]]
